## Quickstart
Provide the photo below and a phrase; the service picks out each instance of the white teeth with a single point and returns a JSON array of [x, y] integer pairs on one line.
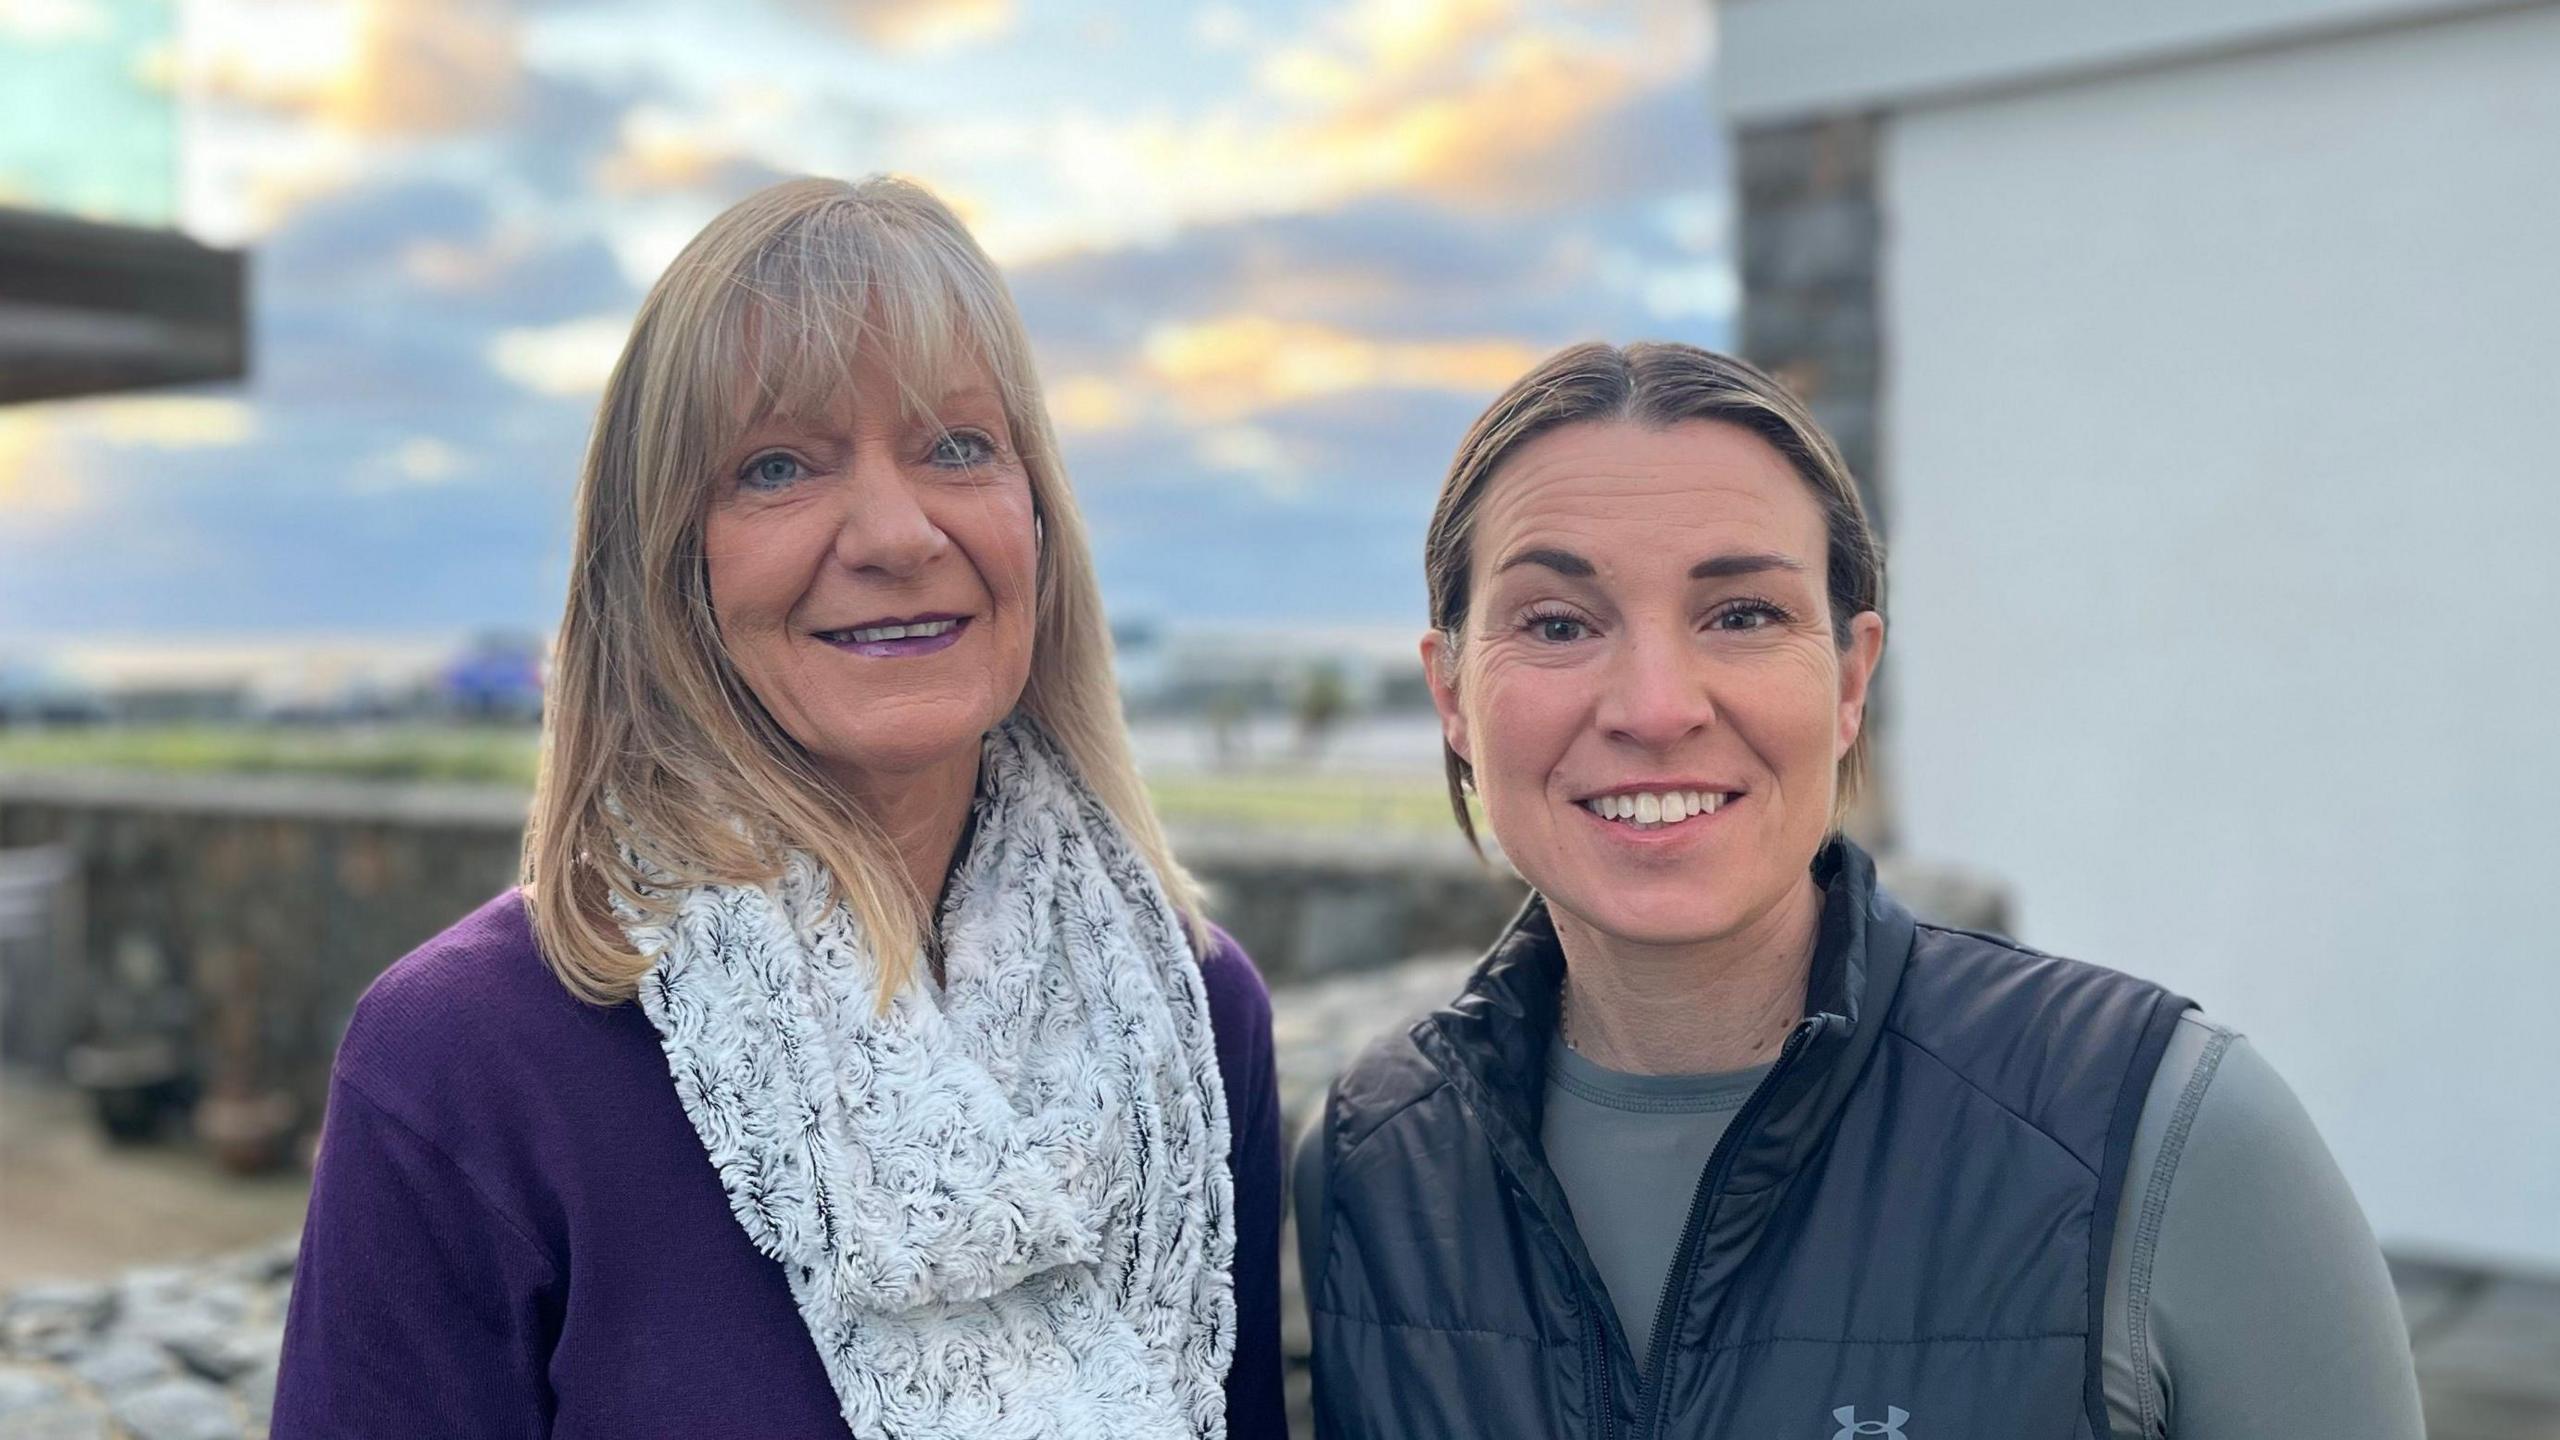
[[877, 633], [1668, 807]]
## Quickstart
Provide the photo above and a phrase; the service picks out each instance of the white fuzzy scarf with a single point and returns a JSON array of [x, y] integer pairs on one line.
[[1003, 1213]]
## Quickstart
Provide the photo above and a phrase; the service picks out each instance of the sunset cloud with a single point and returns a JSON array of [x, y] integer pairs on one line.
[[1090, 403], [1370, 49], [53, 22], [1273, 257], [1223, 369], [367, 67], [928, 25], [1452, 101], [168, 422], [54, 459], [38, 483], [573, 358]]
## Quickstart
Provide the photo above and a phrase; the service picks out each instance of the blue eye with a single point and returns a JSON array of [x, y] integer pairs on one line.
[[1747, 615], [770, 472], [960, 449], [1557, 629]]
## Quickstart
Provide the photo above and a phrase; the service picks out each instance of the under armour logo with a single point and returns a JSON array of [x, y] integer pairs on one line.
[[1851, 1427]]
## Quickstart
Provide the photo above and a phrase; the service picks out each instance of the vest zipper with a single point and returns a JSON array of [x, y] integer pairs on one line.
[[1595, 1351], [1684, 1257]]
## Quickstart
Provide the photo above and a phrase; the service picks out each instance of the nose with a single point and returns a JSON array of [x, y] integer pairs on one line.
[[1655, 693], [885, 529]]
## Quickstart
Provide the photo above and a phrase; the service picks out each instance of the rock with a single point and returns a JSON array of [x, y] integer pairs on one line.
[[182, 1408], [266, 1266], [1319, 1027], [200, 1318], [224, 1353], [179, 1300], [120, 1363], [50, 1321], [64, 1421], [257, 1392], [24, 1388]]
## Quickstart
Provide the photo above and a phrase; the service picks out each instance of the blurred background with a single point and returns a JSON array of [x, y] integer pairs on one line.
[[2199, 357]]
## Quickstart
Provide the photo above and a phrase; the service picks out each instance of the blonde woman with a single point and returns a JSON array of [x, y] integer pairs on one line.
[[854, 1058]]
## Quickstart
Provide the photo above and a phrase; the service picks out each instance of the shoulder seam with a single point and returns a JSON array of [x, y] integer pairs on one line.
[[1976, 1087], [1986, 937], [1438, 1083], [504, 1217], [2155, 1208]]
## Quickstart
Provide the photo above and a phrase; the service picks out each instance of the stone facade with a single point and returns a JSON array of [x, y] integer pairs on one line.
[[229, 925], [1812, 233]]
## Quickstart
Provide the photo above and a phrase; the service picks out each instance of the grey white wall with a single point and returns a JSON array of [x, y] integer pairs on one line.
[[2223, 436]]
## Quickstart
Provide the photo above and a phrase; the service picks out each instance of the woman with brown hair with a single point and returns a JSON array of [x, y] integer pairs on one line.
[[855, 1057], [1720, 1140]]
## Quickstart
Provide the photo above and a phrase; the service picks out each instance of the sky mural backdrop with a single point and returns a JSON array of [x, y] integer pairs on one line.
[[1273, 258]]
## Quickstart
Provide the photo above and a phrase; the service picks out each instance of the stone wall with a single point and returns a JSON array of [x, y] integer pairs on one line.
[[228, 926], [231, 923], [1812, 233]]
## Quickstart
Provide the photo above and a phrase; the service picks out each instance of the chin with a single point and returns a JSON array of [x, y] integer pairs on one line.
[[1669, 931], [1684, 915], [907, 749]]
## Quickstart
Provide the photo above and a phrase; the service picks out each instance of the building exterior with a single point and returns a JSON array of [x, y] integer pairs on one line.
[[2205, 354], [98, 292]]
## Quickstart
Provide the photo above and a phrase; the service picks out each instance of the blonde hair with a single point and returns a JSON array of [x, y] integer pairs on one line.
[[656, 757], [1654, 383]]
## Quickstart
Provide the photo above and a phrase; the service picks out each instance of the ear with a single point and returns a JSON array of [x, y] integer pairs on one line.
[[1857, 669], [1440, 669]]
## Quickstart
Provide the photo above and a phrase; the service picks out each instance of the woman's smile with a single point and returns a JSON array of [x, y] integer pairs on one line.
[[1656, 817], [902, 639]]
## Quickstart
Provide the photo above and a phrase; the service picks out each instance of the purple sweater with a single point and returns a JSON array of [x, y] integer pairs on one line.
[[514, 1231]]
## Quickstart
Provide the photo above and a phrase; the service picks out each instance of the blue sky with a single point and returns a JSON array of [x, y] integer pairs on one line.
[[1273, 259]]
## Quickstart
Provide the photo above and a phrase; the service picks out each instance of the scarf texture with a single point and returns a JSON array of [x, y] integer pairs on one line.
[[1004, 1211]]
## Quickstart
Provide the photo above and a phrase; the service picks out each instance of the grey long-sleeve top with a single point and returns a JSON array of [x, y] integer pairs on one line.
[[2245, 1294]]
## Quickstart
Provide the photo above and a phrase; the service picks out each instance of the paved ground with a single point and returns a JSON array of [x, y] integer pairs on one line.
[[2488, 1349], [73, 1206]]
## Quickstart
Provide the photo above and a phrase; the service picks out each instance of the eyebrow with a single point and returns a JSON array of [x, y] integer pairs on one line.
[[1725, 567], [1720, 567], [1563, 562]]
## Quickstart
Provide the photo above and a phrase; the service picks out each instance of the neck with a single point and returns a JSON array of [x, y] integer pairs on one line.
[[1707, 1008], [924, 813]]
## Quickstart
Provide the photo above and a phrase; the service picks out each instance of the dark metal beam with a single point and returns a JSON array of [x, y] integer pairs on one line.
[[87, 308]]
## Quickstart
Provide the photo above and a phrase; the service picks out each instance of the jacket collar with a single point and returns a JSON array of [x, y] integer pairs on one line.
[[1491, 1042]]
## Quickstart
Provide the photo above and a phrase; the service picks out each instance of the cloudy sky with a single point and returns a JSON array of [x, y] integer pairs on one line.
[[1273, 258]]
